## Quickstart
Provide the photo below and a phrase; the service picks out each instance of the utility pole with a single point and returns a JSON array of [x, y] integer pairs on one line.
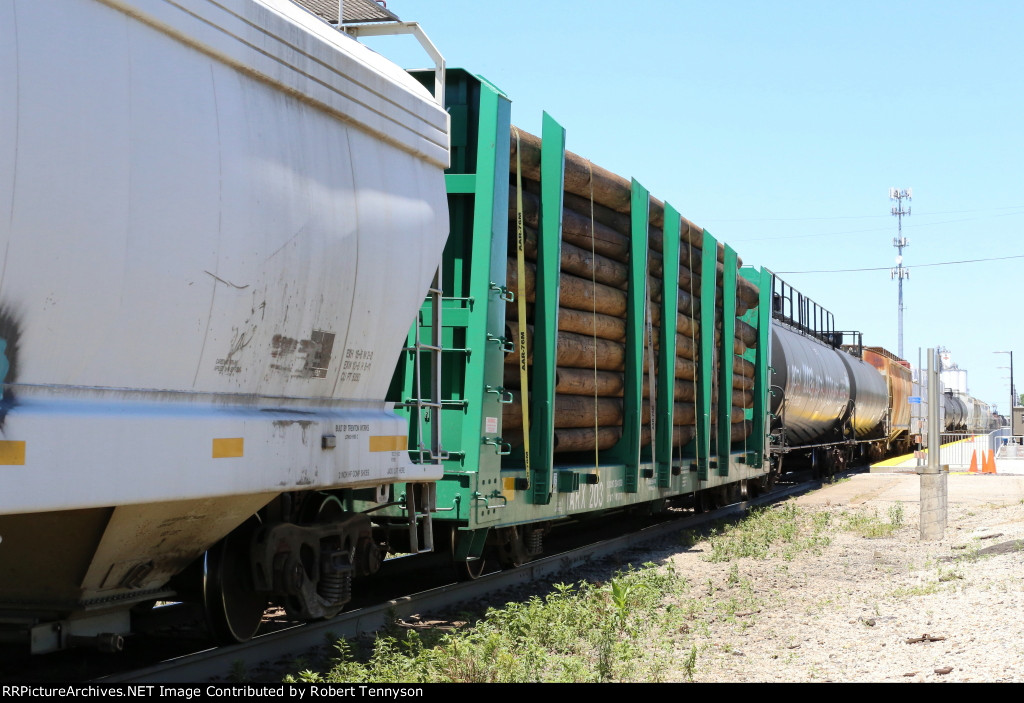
[[899, 271], [934, 478], [1014, 401]]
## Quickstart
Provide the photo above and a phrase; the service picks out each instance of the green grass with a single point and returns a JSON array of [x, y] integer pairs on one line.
[[924, 589], [645, 624], [579, 633], [623, 630], [945, 575], [778, 531], [945, 578], [872, 526]]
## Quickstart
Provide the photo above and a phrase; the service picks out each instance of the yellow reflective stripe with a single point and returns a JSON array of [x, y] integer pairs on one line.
[[228, 447], [12, 453], [508, 488], [389, 443]]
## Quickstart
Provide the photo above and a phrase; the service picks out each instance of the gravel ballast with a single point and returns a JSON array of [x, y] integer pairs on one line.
[[856, 596], [871, 609]]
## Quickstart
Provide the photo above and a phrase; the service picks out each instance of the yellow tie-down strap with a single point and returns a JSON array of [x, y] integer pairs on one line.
[[523, 343]]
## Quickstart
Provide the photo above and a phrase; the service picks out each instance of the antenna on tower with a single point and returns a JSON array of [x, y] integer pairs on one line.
[[900, 271]]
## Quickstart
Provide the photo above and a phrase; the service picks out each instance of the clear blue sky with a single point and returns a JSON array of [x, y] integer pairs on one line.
[[780, 127]]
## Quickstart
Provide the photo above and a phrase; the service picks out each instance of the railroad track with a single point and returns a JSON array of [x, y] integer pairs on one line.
[[287, 644]]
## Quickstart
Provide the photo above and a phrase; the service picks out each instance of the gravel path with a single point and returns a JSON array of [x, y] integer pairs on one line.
[[887, 609]]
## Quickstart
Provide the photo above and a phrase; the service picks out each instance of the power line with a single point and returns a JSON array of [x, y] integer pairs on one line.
[[858, 217], [889, 268], [871, 229]]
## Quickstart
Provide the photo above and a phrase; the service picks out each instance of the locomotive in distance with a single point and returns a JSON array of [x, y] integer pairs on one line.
[[217, 319]]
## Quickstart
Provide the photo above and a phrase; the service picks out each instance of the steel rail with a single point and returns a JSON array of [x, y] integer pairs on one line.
[[219, 663]]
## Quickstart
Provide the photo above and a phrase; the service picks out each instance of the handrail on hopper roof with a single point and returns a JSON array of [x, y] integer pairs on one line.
[[381, 29], [372, 18]]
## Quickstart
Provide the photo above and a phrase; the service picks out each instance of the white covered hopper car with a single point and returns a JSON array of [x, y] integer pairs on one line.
[[217, 222]]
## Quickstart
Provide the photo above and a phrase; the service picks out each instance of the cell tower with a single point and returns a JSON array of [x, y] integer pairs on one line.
[[899, 271]]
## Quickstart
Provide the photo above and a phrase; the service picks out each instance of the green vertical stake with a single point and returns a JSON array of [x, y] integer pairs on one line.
[[665, 392], [545, 322]]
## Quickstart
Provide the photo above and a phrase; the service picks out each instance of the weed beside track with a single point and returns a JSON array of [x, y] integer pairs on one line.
[[644, 624]]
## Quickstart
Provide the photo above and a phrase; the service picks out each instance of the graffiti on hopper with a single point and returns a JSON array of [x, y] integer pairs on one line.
[[302, 358], [10, 335], [244, 334]]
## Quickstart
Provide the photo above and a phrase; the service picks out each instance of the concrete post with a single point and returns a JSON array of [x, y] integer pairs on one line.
[[934, 477], [933, 504]]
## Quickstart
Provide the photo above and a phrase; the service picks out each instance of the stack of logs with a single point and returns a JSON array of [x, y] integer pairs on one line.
[[591, 350]]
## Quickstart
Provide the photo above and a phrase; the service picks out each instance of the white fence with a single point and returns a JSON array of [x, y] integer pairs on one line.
[[960, 450]]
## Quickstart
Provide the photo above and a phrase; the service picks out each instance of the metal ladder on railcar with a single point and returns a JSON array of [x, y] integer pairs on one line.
[[427, 411]]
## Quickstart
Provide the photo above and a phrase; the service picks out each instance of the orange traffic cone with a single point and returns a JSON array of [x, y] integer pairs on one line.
[[974, 463], [990, 463]]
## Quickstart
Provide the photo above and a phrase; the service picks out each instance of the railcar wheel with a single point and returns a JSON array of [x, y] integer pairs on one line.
[[233, 609], [469, 569], [512, 549], [876, 452], [829, 465], [760, 486], [327, 510], [750, 488], [704, 501], [731, 494], [816, 462], [774, 472]]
